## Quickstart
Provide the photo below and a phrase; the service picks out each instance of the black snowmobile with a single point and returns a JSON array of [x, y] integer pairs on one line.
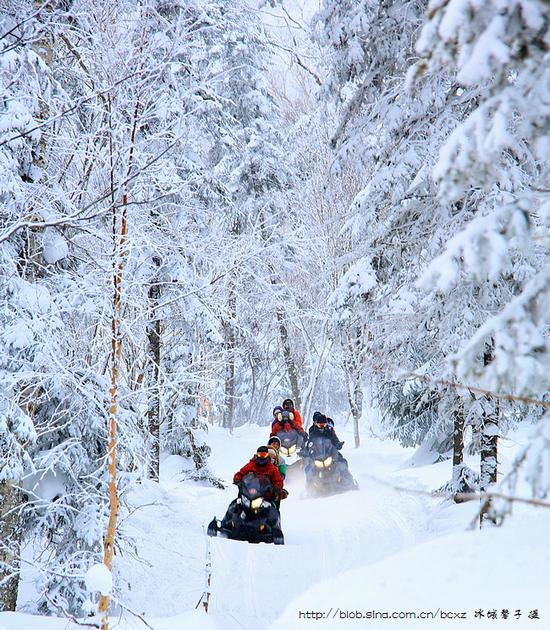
[[251, 517], [291, 442], [326, 471]]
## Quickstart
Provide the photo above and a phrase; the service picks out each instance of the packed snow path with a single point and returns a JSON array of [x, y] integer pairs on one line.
[[323, 537]]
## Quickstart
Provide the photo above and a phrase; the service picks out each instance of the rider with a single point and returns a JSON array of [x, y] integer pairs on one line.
[[260, 464], [288, 405], [286, 418], [274, 445], [281, 421], [277, 460], [321, 428]]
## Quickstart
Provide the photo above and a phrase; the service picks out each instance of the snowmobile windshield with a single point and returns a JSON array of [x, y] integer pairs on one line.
[[321, 448], [255, 486], [288, 438], [289, 442]]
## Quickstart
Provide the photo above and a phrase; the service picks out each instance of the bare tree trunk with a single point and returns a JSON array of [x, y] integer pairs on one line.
[[153, 374], [353, 368], [119, 256], [10, 544], [489, 461], [289, 359], [230, 345], [458, 452], [489, 447], [355, 399], [116, 353]]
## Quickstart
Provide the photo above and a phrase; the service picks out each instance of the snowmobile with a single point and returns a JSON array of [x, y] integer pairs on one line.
[[251, 516], [326, 472], [291, 443]]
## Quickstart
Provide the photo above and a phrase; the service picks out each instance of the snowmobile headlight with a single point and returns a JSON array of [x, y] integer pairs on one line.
[[291, 450], [245, 501], [327, 462], [318, 463], [256, 503]]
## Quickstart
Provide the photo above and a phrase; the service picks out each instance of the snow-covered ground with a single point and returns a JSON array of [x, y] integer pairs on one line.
[[379, 549]]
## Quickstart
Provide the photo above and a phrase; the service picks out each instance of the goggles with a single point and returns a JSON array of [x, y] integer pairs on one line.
[[321, 424], [262, 455]]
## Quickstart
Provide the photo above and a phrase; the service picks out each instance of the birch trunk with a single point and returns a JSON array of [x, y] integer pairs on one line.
[[116, 353], [230, 344], [10, 544], [355, 399], [489, 447], [458, 452], [119, 256], [153, 374]]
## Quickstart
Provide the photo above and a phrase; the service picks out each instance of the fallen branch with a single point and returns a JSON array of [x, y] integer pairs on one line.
[[465, 496], [132, 612], [478, 390], [69, 616]]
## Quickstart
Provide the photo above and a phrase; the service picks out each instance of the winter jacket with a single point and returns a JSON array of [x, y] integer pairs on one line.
[[287, 425], [282, 466], [266, 470], [328, 433], [298, 421], [278, 461]]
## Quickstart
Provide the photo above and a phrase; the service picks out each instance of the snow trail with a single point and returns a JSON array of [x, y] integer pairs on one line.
[[323, 536]]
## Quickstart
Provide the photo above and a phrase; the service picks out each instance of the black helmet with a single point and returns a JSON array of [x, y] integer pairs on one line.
[[288, 404], [319, 420], [262, 455], [273, 439]]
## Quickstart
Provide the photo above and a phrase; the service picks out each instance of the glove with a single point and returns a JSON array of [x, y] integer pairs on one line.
[[339, 445], [284, 494]]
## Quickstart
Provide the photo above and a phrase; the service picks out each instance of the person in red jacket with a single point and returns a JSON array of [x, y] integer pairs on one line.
[[288, 417], [288, 405], [260, 464]]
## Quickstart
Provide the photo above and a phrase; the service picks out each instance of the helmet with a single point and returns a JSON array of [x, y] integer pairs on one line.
[[330, 422], [319, 420], [262, 455], [274, 440], [288, 404], [277, 410]]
